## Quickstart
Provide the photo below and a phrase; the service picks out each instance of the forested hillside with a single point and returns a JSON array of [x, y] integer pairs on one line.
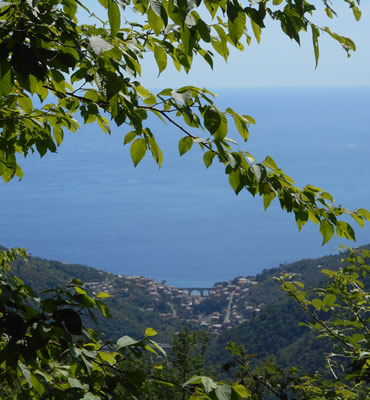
[[261, 316]]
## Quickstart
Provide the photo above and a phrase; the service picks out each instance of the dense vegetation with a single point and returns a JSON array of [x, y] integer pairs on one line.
[[274, 331], [339, 311]]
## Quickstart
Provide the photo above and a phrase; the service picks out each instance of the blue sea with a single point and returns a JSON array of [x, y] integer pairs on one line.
[[183, 223]]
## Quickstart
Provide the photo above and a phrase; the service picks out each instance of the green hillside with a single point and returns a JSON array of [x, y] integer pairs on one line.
[[252, 311]]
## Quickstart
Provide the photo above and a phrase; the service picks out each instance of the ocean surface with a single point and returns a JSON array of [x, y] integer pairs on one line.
[[183, 223]]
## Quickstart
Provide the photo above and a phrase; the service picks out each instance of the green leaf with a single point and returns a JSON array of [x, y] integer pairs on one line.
[[90, 396], [277, 2], [257, 171], [208, 158], [102, 295], [156, 151], [345, 230], [160, 56], [208, 384], [236, 27], [84, 300], [203, 30], [212, 120], [318, 304], [99, 45], [185, 144], [155, 21], [364, 213], [357, 13], [137, 151], [129, 137], [126, 341], [156, 6], [6, 78], [114, 17], [329, 299], [236, 181], [26, 104], [150, 332], [58, 80], [257, 31], [182, 97], [58, 134], [241, 391], [224, 392], [76, 383], [25, 372], [270, 163], [315, 42], [103, 308], [326, 230], [71, 319]]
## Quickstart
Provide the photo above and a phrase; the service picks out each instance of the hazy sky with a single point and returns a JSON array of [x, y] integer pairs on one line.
[[278, 61]]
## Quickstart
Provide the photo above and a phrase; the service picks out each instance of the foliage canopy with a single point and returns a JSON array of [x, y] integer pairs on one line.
[[54, 68]]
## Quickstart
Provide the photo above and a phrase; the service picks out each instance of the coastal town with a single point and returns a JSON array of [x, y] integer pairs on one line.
[[215, 309]]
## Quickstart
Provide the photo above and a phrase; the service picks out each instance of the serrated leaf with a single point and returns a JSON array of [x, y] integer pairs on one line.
[[137, 151], [208, 384], [99, 45], [224, 392]]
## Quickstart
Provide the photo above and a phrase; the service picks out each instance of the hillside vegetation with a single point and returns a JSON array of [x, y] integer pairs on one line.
[[260, 315]]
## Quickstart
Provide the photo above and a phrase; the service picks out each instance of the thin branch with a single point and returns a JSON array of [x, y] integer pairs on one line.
[[173, 122]]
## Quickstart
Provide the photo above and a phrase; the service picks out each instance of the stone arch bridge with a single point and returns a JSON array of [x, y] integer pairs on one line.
[[204, 291]]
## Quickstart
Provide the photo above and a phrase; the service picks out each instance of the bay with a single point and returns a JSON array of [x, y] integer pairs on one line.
[[183, 223]]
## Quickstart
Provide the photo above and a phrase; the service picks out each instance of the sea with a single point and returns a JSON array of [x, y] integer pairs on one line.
[[182, 223]]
